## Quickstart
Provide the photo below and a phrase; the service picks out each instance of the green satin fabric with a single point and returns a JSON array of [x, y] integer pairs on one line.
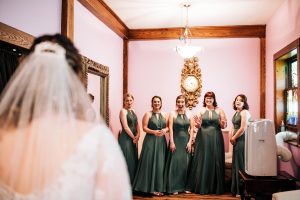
[[149, 176], [237, 155], [178, 163], [208, 163], [129, 149]]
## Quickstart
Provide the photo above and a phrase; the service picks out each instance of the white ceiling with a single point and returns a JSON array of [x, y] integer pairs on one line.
[[138, 14]]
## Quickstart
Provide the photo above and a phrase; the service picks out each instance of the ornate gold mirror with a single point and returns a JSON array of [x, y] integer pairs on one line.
[[24, 40], [92, 68], [191, 82]]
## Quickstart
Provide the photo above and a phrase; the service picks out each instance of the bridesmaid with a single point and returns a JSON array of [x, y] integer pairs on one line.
[[149, 175], [208, 164], [181, 125], [129, 135], [240, 121]]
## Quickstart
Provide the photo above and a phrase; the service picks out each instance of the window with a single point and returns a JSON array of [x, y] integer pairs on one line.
[[291, 94], [286, 79]]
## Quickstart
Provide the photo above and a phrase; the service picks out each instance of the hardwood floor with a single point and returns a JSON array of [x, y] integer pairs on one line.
[[186, 196]]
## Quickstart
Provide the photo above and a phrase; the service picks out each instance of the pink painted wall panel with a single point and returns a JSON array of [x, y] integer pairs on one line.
[[32, 16], [93, 88], [229, 67], [282, 29], [97, 42]]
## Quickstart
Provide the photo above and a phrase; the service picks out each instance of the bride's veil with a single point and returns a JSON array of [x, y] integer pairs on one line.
[[44, 112]]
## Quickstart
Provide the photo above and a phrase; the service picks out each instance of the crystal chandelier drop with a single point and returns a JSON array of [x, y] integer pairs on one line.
[[186, 50]]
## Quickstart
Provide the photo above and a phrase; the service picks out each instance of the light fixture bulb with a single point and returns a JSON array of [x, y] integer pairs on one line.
[[186, 50]]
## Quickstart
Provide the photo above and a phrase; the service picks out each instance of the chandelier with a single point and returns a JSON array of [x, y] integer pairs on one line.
[[186, 50]]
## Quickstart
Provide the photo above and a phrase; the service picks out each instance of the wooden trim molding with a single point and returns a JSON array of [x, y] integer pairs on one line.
[[67, 19], [262, 77], [251, 31], [106, 15], [14, 36], [286, 49], [125, 66], [280, 75]]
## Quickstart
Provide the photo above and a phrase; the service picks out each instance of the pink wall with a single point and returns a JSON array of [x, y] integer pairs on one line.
[[229, 67], [30, 16], [93, 88], [97, 42], [282, 29]]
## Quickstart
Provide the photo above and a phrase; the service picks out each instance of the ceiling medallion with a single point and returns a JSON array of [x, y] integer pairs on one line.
[[191, 82]]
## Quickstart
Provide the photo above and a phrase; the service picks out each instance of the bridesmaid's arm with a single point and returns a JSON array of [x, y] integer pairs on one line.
[[198, 118], [137, 132], [242, 128], [191, 131], [232, 141], [172, 144], [124, 123], [165, 130], [223, 120]]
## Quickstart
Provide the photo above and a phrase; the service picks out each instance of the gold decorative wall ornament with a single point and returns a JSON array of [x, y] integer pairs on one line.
[[191, 82]]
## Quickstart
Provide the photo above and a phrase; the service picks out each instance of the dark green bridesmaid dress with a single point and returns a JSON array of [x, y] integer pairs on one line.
[[177, 167], [149, 176], [208, 163], [237, 154], [128, 147]]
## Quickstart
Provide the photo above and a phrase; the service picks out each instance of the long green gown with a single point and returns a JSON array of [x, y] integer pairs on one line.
[[149, 175], [128, 147], [177, 167], [237, 154], [208, 163]]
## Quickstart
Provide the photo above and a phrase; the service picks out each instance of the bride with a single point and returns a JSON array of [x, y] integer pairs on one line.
[[50, 147]]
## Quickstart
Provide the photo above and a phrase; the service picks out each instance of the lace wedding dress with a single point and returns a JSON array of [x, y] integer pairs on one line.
[[96, 170]]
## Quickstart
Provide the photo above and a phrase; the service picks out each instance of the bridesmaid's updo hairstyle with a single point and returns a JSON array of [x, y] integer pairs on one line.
[[181, 97], [211, 95], [244, 99], [127, 95], [153, 100]]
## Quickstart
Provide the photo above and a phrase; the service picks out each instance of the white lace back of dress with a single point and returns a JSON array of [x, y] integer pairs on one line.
[[43, 119], [76, 179]]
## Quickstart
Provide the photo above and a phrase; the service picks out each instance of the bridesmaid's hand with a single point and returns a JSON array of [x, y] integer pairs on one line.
[[223, 123], [159, 133], [172, 147], [189, 147], [164, 131], [135, 139], [197, 121], [232, 140]]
